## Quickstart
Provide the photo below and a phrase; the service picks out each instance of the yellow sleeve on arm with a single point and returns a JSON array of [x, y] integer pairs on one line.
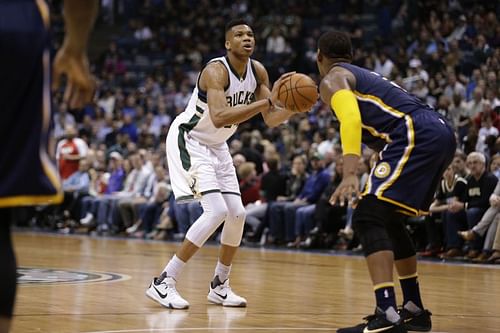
[[346, 108]]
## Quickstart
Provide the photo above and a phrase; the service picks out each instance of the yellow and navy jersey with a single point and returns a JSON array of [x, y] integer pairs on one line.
[[382, 103], [417, 143]]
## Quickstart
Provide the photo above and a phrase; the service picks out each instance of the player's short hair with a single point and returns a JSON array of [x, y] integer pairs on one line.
[[335, 44], [235, 22]]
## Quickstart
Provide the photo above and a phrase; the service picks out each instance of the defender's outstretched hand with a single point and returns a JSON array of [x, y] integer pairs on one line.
[[348, 190], [71, 59]]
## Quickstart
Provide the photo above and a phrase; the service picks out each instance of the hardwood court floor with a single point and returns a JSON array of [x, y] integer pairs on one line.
[[286, 291]]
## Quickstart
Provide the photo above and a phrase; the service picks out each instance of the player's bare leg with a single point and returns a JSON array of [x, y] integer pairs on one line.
[[380, 267], [406, 266], [187, 250], [226, 254]]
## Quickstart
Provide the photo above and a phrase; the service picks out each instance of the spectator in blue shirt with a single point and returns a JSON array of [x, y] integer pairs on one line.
[[117, 176], [129, 128], [75, 188]]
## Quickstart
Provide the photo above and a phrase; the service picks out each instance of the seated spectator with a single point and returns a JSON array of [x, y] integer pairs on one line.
[[249, 183], [486, 132], [495, 256], [282, 214], [117, 141], [165, 225], [275, 45], [238, 160], [384, 65], [454, 86], [184, 214], [487, 224], [130, 208], [487, 112], [251, 154], [62, 119], [459, 164], [480, 185], [272, 185], [106, 205], [457, 113], [69, 152], [129, 128], [114, 183], [75, 188], [293, 184], [149, 213], [317, 226], [452, 187], [495, 165]]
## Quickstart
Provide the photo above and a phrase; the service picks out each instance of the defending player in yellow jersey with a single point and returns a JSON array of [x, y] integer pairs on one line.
[[416, 145]]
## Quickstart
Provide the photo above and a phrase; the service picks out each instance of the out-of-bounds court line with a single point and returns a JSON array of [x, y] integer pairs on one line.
[[187, 329]]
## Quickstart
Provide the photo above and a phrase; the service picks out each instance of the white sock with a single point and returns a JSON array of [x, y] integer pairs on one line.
[[174, 267], [222, 271]]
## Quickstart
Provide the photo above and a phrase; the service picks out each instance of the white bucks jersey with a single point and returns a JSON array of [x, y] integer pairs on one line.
[[196, 121]]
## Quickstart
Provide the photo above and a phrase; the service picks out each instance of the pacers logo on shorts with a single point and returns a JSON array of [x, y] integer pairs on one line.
[[382, 170]]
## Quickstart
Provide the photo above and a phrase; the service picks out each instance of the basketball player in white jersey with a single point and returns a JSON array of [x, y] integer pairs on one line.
[[230, 90]]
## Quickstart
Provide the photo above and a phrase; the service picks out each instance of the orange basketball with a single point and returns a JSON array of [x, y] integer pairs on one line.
[[298, 93]]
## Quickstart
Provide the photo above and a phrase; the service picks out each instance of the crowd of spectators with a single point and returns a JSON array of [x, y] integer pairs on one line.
[[112, 153]]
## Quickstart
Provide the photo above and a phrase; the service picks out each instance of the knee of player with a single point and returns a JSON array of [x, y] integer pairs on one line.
[[372, 236], [219, 212], [369, 226], [237, 213]]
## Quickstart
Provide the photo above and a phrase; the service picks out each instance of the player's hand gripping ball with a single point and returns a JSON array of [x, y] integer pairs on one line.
[[298, 93]]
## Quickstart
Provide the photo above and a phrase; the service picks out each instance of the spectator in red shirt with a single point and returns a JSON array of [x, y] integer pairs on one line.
[[249, 183], [69, 152], [485, 113]]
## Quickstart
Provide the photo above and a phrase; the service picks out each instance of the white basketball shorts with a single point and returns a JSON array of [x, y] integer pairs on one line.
[[196, 169]]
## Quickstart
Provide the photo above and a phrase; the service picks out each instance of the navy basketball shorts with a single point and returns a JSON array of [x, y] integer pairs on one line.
[[412, 164]]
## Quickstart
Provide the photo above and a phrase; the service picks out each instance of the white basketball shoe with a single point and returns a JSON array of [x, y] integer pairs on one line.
[[221, 293], [162, 290]]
